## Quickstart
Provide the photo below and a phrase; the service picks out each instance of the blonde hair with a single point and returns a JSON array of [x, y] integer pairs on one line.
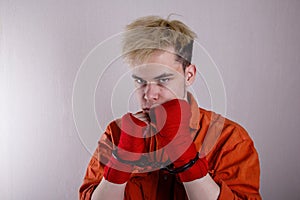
[[146, 35]]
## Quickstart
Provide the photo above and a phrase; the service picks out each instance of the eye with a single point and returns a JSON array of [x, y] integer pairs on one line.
[[164, 80], [140, 81]]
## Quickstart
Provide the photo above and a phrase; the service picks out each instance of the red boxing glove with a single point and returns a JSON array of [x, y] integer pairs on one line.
[[172, 120], [131, 146]]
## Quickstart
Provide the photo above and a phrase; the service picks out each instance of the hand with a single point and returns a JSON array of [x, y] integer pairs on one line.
[[142, 116], [172, 120], [130, 147]]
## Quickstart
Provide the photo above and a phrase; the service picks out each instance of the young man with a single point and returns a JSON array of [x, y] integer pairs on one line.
[[171, 149]]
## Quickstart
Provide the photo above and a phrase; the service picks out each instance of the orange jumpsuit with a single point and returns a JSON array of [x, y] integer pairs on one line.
[[232, 158]]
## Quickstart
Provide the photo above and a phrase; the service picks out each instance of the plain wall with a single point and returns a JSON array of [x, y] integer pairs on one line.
[[255, 45]]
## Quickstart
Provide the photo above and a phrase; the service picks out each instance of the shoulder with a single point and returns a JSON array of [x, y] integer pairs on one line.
[[219, 132], [113, 126], [112, 132]]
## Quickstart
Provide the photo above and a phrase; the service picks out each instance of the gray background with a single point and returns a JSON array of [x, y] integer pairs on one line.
[[255, 45]]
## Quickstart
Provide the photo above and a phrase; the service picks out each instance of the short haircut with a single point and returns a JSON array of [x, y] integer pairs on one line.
[[146, 35]]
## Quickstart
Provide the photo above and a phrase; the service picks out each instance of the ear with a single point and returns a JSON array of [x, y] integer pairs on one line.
[[190, 74]]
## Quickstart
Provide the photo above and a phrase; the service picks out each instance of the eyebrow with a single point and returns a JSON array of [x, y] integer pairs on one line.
[[164, 75], [136, 77]]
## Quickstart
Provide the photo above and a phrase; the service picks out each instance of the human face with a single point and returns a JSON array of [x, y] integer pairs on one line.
[[160, 79]]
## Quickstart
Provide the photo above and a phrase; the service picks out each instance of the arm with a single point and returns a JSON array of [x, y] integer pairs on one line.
[[108, 180], [237, 172], [204, 188], [95, 168], [235, 177], [108, 190], [234, 165], [172, 120], [232, 157]]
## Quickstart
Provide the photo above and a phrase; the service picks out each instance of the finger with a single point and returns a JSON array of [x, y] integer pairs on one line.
[[142, 116]]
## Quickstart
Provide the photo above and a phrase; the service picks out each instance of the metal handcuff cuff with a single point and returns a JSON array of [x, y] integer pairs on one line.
[[143, 162]]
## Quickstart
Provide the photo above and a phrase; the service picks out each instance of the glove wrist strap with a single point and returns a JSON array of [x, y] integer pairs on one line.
[[170, 168]]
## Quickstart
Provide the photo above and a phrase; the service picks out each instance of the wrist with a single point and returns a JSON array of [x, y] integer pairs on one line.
[[179, 169], [196, 171], [116, 171], [186, 161], [131, 143]]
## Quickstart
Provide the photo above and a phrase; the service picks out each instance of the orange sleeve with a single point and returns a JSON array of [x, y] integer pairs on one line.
[[92, 178], [238, 171], [94, 172]]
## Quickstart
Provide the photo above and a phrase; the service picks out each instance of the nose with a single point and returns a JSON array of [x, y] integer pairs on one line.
[[151, 92]]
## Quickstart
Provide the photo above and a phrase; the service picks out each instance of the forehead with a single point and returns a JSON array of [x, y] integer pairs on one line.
[[160, 62]]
